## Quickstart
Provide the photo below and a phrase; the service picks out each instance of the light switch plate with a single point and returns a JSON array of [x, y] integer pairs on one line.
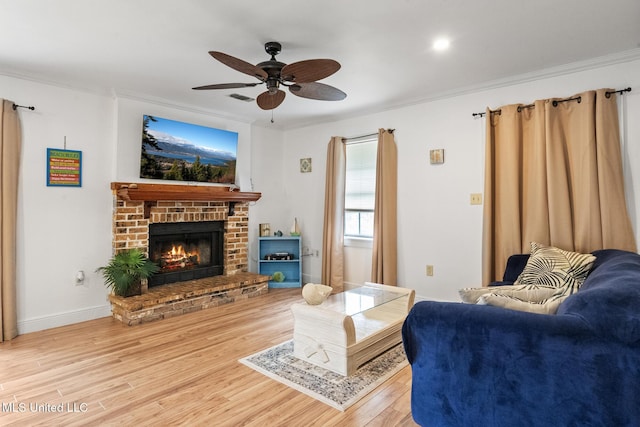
[[429, 270]]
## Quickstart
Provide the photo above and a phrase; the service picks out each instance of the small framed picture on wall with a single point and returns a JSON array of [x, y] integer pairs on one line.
[[436, 156], [305, 165], [64, 168]]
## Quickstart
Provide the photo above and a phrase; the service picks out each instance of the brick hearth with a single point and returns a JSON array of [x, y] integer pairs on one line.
[[174, 299], [134, 210]]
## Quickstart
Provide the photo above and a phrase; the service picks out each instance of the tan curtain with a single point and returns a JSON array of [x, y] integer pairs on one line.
[[333, 235], [553, 174], [384, 268], [10, 144]]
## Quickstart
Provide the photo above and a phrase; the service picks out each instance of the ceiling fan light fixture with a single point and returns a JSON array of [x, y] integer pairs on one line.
[[272, 86]]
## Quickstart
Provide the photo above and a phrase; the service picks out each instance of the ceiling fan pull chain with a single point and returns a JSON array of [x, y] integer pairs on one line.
[[272, 116]]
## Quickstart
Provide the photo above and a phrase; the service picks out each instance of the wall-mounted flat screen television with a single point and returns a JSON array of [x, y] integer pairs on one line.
[[178, 151]]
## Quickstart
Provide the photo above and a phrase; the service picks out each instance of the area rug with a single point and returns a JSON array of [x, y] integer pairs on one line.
[[328, 387]]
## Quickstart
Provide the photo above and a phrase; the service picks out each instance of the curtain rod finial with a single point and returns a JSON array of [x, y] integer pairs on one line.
[[16, 106]]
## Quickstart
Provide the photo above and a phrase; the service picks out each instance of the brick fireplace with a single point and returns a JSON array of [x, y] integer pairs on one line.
[[131, 225], [138, 206]]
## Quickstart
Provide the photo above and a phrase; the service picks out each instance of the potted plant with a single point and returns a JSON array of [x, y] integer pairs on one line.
[[126, 270]]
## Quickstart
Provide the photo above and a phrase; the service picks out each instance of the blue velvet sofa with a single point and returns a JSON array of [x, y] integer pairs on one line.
[[480, 365]]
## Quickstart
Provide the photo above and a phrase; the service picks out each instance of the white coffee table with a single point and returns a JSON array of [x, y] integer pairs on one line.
[[352, 327]]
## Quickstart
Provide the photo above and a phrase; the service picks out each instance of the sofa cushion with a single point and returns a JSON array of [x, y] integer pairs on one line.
[[515, 265], [609, 300], [554, 267]]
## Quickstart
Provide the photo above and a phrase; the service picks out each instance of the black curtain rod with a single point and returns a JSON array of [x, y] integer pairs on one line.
[[365, 136], [16, 106], [369, 135], [555, 103]]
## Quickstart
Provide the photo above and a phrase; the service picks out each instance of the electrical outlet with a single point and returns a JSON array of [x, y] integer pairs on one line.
[[476, 198], [80, 278], [429, 270]]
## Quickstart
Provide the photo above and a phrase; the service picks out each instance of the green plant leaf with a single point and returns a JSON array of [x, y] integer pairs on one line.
[[126, 268]]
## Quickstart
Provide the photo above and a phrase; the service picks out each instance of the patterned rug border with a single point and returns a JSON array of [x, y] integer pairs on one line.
[[337, 391]]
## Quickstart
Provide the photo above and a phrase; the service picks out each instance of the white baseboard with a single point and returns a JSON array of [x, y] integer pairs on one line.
[[61, 319]]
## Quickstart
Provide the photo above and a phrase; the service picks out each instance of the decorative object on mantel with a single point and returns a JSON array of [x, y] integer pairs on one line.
[[265, 230], [437, 156], [335, 390], [295, 229], [125, 271], [315, 294]]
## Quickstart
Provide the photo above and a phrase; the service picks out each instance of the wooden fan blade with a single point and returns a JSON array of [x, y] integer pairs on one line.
[[226, 86], [239, 65], [309, 70], [315, 90], [267, 101]]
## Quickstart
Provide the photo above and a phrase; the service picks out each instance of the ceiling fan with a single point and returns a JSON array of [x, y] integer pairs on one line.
[[300, 77]]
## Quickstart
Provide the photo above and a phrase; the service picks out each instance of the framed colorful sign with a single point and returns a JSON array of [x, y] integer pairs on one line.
[[64, 168]]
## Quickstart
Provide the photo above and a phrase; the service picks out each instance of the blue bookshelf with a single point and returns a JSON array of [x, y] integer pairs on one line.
[[270, 247]]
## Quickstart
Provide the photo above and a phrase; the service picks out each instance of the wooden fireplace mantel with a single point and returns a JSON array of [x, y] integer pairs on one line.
[[153, 192]]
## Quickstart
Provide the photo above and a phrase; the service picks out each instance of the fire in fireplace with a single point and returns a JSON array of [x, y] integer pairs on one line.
[[186, 250], [177, 258]]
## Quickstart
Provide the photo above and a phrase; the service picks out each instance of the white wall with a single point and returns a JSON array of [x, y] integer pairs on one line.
[[267, 178], [61, 230], [436, 223]]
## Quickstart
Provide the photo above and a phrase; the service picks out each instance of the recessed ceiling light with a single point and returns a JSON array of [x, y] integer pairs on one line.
[[441, 44]]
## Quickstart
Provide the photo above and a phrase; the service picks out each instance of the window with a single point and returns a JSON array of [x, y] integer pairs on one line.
[[360, 187]]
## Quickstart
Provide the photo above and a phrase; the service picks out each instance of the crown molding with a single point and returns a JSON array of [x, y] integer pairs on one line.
[[546, 73], [133, 96]]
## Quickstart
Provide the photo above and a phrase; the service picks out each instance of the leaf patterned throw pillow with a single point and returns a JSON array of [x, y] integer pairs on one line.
[[553, 267]]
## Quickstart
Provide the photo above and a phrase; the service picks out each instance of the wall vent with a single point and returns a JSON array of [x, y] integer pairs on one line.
[[241, 97]]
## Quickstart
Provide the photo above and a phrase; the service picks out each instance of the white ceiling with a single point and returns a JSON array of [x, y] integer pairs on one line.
[[157, 49]]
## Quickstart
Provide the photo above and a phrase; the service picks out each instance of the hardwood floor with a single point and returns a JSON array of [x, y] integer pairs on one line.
[[178, 371]]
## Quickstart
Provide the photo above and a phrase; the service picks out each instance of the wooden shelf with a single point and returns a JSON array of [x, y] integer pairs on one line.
[[291, 268], [153, 192]]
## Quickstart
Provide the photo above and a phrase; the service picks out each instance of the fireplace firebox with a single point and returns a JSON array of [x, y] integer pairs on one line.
[[186, 250]]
